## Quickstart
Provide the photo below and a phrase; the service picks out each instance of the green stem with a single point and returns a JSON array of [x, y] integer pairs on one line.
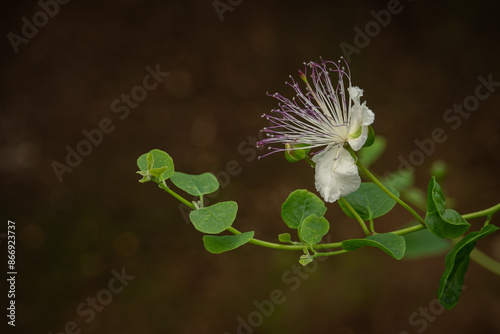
[[309, 160], [485, 261], [384, 189], [478, 256], [483, 213], [331, 253], [267, 244], [356, 215], [409, 229], [177, 196], [253, 240], [273, 245]]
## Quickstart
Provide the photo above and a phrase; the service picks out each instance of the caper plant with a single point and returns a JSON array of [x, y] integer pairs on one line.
[[326, 125]]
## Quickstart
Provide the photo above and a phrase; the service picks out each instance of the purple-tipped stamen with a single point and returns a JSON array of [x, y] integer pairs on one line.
[[319, 116]]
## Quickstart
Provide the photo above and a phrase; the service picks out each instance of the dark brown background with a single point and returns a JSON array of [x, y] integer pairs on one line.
[[70, 235]]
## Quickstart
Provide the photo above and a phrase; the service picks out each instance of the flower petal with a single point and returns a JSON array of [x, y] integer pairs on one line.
[[355, 93], [361, 116], [336, 173], [357, 143], [367, 116]]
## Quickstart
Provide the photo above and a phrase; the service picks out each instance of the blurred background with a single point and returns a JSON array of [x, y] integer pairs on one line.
[[77, 231]]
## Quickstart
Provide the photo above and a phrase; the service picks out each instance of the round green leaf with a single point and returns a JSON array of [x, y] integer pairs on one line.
[[215, 218], [369, 201], [394, 245], [196, 185], [155, 160], [313, 228], [299, 205], [442, 222], [217, 244]]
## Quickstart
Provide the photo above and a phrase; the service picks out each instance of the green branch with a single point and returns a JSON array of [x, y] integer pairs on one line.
[[356, 215], [330, 253], [267, 244], [299, 247], [483, 213], [485, 261], [177, 196], [387, 191], [478, 256]]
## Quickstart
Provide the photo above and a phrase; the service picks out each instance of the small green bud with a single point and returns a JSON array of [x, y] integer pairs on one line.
[[294, 153]]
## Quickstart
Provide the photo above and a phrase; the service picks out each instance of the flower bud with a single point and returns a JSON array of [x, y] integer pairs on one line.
[[293, 152]]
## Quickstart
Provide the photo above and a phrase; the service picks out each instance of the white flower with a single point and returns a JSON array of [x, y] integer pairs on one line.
[[324, 116]]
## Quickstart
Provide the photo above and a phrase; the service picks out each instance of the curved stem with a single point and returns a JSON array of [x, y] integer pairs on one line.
[[384, 189], [267, 244], [253, 240], [273, 245], [485, 261], [356, 215], [478, 256], [483, 213], [409, 229], [372, 226], [331, 253], [177, 196], [309, 161]]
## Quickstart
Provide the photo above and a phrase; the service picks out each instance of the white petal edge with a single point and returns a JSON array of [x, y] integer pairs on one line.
[[357, 143], [361, 116], [355, 93], [368, 116], [336, 173]]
